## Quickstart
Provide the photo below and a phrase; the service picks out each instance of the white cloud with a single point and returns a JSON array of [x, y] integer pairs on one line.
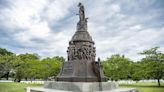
[[57, 9], [136, 27], [130, 42], [38, 30], [114, 26]]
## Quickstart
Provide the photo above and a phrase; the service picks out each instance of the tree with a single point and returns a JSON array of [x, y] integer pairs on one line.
[[51, 66], [138, 71], [22, 65], [117, 67], [6, 59], [5, 52], [29, 66], [154, 62], [6, 65], [59, 58]]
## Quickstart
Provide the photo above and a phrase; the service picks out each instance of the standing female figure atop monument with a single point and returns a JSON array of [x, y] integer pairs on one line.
[[81, 12]]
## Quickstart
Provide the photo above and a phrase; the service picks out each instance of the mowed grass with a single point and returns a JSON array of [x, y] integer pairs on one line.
[[14, 87], [145, 86], [20, 87]]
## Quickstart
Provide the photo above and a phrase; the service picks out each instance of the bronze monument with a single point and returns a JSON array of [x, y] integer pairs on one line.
[[81, 65], [81, 73]]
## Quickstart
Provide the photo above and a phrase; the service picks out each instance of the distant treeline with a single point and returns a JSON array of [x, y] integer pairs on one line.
[[28, 66], [117, 67]]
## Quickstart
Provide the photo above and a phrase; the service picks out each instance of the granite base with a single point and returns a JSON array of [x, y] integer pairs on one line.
[[52, 86]]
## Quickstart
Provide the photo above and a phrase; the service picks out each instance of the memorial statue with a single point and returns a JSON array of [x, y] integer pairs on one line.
[[81, 12], [81, 65], [81, 73]]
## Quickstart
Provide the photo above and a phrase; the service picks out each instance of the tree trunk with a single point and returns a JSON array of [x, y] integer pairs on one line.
[[19, 80], [158, 82], [7, 75], [26, 78], [15, 79]]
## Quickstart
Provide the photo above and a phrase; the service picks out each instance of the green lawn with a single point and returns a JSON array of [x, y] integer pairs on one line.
[[145, 87], [142, 87], [14, 87]]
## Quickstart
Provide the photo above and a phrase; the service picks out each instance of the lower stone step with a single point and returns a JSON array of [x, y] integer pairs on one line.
[[55, 86], [42, 89]]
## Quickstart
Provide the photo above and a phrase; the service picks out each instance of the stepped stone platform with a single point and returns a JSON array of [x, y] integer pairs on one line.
[[52, 86]]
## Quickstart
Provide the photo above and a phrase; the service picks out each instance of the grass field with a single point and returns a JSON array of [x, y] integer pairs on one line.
[[142, 87], [145, 87], [14, 87]]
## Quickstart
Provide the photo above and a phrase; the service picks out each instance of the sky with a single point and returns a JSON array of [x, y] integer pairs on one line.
[[117, 26]]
